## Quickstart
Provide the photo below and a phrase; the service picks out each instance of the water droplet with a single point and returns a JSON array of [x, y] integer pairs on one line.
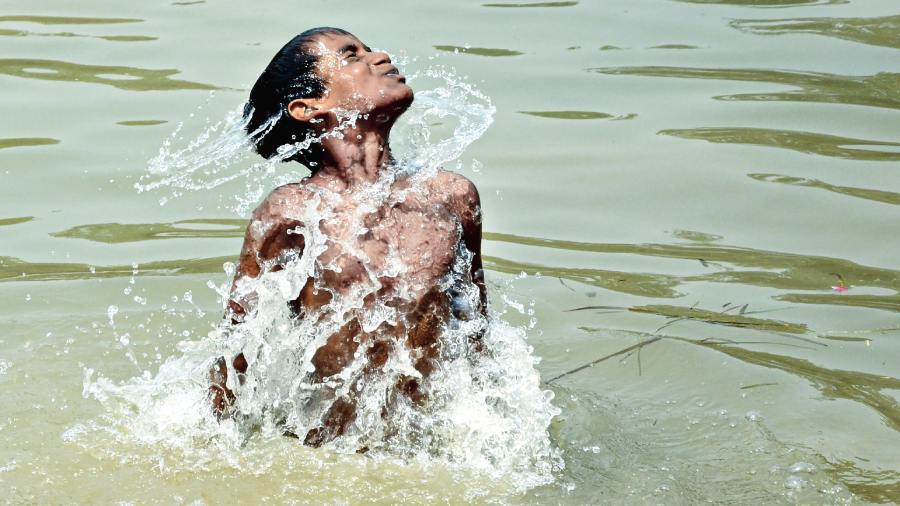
[[802, 467], [111, 312]]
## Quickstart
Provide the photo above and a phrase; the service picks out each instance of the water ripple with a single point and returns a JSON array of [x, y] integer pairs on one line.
[[67, 20], [861, 193], [533, 4], [879, 90], [855, 386], [124, 78], [480, 51], [803, 142], [879, 31], [766, 3], [734, 265], [27, 141], [5, 222], [578, 115]]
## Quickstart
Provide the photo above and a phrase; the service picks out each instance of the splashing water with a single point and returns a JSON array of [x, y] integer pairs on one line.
[[484, 410]]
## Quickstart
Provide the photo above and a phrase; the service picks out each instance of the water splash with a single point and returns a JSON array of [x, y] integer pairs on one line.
[[484, 409], [223, 152]]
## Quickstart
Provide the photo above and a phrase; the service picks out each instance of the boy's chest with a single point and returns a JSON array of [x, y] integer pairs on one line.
[[413, 243]]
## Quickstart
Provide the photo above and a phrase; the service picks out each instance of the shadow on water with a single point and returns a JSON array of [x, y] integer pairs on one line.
[[878, 31], [736, 265], [533, 4], [766, 3], [480, 51], [578, 115], [27, 141], [804, 142], [861, 193], [124, 78], [5, 222], [879, 90]]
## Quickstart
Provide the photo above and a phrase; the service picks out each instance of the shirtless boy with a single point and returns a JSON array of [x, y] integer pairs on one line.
[[310, 83]]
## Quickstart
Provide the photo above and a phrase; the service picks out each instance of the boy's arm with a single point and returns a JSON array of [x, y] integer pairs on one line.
[[467, 204], [265, 239]]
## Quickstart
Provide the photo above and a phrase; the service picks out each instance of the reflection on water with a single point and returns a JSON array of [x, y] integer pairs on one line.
[[804, 142], [27, 141], [766, 3], [770, 269], [15, 269], [862, 193], [885, 302], [124, 78], [879, 31], [674, 46], [879, 90], [67, 20], [114, 38], [114, 233], [833, 383], [127, 38], [534, 4], [723, 317], [15, 221], [642, 284], [881, 486], [734, 265], [142, 122], [480, 51], [694, 236], [577, 115]]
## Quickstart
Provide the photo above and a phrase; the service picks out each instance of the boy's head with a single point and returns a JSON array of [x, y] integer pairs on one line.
[[319, 72]]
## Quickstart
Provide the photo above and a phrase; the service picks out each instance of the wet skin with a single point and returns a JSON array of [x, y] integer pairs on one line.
[[424, 229]]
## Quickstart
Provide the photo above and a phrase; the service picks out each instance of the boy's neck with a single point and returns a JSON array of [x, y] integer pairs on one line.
[[356, 159]]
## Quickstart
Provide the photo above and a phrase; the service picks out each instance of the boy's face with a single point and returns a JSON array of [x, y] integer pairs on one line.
[[357, 78]]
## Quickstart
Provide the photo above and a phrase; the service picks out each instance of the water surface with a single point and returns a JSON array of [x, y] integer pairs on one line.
[[743, 223]]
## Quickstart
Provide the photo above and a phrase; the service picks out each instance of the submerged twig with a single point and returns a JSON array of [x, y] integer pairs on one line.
[[563, 283], [607, 357], [640, 371]]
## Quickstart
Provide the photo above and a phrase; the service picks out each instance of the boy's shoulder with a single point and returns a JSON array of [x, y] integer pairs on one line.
[[456, 186], [282, 203]]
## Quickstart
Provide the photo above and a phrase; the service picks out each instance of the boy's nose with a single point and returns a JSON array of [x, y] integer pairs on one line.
[[380, 57]]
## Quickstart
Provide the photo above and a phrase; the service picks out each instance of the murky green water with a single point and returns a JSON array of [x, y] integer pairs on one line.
[[700, 171]]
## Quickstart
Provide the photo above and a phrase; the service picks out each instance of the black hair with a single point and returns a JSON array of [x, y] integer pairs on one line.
[[290, 75]]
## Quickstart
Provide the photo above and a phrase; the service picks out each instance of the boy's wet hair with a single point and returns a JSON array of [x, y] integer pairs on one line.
[[290, 75]]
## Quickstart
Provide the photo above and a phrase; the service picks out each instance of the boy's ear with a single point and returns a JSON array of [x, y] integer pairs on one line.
[[303, 109]]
